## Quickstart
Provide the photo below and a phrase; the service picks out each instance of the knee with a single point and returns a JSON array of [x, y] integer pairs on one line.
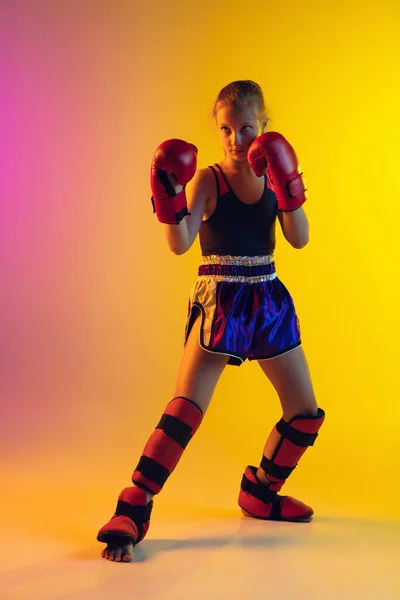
[[306, 408], [310, 412]]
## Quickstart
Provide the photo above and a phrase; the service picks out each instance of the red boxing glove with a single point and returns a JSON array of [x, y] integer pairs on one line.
[[180, 158], [271, 152]]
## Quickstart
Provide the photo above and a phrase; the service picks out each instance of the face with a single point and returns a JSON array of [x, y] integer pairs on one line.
[[238, 128]]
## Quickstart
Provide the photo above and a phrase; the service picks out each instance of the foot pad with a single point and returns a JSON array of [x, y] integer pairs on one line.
[[131, 519], [259, 501]]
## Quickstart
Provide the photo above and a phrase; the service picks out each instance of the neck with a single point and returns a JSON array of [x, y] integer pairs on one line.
[[234, 166]]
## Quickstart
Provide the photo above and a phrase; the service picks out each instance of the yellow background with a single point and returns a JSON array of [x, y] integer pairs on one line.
[[93, 304]]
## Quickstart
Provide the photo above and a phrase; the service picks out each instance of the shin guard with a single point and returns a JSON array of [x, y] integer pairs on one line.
[[161, 454], [180, 421], [262, 501], [296, 436]]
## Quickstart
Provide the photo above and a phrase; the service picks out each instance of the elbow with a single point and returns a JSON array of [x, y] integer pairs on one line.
[[177, 237], [178, 251], [182, 247], [299, 239], [299, 243], [177, 246]]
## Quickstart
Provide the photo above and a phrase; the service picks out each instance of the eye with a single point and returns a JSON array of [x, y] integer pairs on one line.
[[246, 127]]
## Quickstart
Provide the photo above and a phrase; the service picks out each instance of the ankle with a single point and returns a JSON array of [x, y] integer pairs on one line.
[[262, 478], [149, 495]]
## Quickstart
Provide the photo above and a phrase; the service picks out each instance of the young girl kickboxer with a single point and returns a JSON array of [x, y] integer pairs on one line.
[[239, 309]]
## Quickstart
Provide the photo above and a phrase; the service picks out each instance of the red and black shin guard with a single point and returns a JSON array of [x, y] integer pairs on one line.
[[261, 500], [180, 421], [178, 424]]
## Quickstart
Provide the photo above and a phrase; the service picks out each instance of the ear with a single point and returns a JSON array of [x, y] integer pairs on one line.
[[263, 124]]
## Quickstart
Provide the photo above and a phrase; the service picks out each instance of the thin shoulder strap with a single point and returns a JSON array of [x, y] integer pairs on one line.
[[223, 185], [216, 180]]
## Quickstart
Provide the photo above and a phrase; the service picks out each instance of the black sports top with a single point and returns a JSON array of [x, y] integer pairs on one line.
[[236, 228]]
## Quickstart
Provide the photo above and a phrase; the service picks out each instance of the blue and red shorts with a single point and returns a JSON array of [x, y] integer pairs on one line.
[[246, 311]]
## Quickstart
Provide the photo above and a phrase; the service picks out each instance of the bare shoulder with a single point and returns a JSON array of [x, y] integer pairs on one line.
[[201, 187], [204, 179], [210, 187]]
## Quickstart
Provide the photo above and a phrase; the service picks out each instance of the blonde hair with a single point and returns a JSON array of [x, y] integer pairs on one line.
[[243, 92]]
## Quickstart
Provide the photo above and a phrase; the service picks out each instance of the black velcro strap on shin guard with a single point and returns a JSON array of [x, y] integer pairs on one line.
[[162, 452], [176, 429], [262, 492], [153, 471], [299, 438], [275, 470]]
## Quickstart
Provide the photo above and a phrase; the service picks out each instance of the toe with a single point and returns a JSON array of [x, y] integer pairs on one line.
[[109, 553], [128, 554], [117, 554]]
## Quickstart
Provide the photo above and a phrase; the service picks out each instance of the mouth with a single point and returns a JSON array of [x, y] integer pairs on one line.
[[238, 151]]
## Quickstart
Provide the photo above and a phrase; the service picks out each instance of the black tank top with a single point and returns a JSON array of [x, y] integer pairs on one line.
[[236, 228]]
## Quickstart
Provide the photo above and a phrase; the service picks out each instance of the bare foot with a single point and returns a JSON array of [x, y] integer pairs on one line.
[[118, 552], [123, 531]]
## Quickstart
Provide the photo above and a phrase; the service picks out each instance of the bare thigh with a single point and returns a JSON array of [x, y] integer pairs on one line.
[[199, 370], [290, 376]]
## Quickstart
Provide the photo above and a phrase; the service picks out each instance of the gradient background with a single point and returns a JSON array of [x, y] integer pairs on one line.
[[93, 304]]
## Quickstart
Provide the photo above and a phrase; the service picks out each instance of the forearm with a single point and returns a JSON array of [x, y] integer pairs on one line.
[[295, 227], [178, 237]]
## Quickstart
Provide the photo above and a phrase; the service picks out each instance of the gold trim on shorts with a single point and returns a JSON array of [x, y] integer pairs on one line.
[[241, 261]]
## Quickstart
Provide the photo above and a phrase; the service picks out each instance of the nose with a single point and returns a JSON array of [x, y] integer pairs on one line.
[[236, 138]]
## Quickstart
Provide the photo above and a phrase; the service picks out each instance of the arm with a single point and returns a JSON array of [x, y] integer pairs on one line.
[[179, 195], [273, 154], [180, 237], [295, 227]]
